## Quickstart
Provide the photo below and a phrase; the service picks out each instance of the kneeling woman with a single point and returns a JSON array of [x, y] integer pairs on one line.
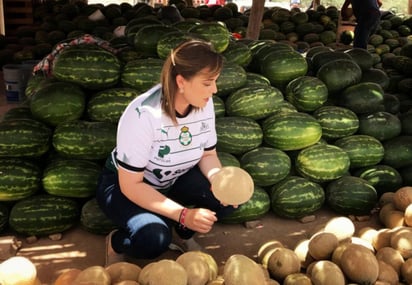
[[156, 184]]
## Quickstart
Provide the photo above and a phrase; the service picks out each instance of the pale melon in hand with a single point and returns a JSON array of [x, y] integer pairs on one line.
[[232, 185]]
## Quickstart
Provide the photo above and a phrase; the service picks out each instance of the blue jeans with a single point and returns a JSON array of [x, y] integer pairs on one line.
[[367, 23], [143, 234]]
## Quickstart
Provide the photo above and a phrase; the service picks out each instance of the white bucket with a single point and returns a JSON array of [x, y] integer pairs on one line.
[[12, 74]]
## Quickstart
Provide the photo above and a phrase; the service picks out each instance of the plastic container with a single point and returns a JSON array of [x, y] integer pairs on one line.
[[13, 79]]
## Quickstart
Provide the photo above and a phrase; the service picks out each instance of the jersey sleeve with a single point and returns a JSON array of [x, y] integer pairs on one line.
[[212, 141], [134, 139]]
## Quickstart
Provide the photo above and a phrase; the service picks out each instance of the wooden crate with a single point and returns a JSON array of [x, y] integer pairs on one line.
[[17, 13]]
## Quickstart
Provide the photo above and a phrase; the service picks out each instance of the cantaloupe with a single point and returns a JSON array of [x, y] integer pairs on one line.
[[386, 198], [17, 270], [393, 219], [406, 271], [167, 272], [383, 212], [240, 269], [127, 282], [392, 257], [217, 281], [196, 267], [367, 233], [67, 277], [325, 272], [322, 245], [145, 273], [283, 262], [266, 249], [408, 215], [302, 251], [359, 264], [382, 238], [401, 240], [297, 279], [211, 262], [93, 275], [387, 273], [362, 242], [341, 227], [121, 271], [337, 253], [403, 198]]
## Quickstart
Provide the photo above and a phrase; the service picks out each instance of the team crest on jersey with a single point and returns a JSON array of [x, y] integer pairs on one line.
[[185, 137]]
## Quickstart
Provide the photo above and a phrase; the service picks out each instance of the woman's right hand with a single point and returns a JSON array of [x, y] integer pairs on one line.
[[200, 220]]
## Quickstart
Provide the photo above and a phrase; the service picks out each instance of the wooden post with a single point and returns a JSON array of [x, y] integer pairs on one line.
[[2, 25], [255, 19], [410, 7]]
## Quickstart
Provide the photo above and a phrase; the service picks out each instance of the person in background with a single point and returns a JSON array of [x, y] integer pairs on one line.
[[156, 186], [367, 16]]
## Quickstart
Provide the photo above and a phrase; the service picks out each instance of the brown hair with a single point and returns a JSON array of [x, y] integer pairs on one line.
[[187, 59]]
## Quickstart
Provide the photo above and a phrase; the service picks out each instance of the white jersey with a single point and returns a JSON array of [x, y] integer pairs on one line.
[[148, 140]]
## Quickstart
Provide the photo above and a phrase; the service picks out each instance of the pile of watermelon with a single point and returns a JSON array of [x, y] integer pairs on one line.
[[315, 124]]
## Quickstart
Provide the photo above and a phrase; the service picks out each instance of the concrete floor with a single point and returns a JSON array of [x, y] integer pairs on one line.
[[81, 249]]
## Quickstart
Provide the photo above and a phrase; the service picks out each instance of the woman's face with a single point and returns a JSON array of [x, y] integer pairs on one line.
[[196, 91]]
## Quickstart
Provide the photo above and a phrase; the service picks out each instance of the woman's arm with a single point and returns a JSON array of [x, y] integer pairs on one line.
[[142, 194], [209, 164]]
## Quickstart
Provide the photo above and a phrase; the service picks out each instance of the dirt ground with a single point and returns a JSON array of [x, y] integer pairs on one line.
[[81, 249]]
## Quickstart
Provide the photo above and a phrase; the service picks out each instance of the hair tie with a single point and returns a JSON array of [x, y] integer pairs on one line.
[[172, 57]]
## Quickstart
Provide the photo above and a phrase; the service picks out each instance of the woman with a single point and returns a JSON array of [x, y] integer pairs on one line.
[[157, 180], [367, 16]]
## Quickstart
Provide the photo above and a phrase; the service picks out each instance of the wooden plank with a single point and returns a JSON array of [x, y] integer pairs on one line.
[[19, 21], [2, 26]]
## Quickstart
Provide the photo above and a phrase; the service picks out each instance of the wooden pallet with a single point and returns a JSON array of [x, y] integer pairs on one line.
[[17, 13]]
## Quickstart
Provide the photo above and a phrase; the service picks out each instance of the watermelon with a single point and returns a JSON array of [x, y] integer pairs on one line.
[[322, 162], [291, 130], [84, 140], [141, 74], [146, 38], [383, 178], [377, 76], [228, 159], [363, 97], [20, 178], [219, 106], [306, 93], [43, 214], [168, 41], [336, 122], [239, 53], [264, 99], [350, 195], [232, 77], [237, 135], [256, 207], [398, 151], [93, 220], [266, 165], [89, 66], [4, 217], [256, 78], [362, 57], [380, 125], [108, 105], [283, 66], [18, 112], [363, 150], [214, 32], [339, 74], [24, 138], [58, 102], [296, 197], [321, 58], [73, 178]]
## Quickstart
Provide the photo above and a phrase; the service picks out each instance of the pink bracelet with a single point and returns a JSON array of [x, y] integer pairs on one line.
[[182, 217]]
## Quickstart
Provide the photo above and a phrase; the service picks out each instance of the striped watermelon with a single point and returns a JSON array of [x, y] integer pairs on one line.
[[322, 162], [336, 121], [257, 206], [43, 214], [108, 105], [231, 78], [24, 138], [363, 150], [237, 135], [239, 53], [20, 178], [383, 178], [58, 102], [266, 165], [254, 101], [89, 66], [141, 74], [214, 32], [296, 197], [380, 125], [306, 93], [362, 98], [350, 195], [73, 178], [291, 130], [146, 38], [398, 152], [93, 219], [228, 159], [219, 106], [84, 140]]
